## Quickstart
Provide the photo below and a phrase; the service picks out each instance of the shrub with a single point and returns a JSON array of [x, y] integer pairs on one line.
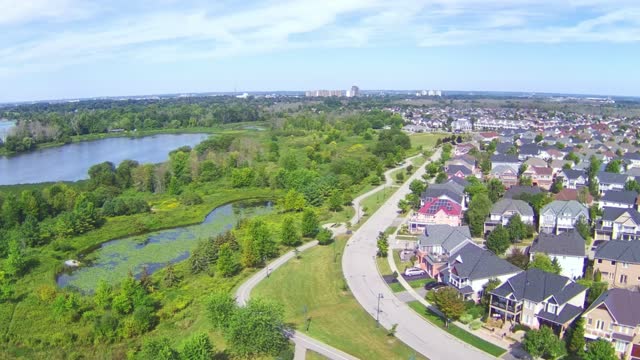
[[190, 198], [466, 318], [46, 293], [325, 237], [475, 325]]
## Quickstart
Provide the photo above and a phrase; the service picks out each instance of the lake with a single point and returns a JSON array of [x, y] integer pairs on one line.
[[71, 162], [113, 260]]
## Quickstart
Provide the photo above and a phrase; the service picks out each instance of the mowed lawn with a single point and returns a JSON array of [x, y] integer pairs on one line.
[[426, 140], [313, 287]]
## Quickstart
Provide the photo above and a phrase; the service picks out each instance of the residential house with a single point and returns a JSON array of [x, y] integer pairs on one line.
[[528, 151], [436, 211], [555, 154], [467, 161], [487, 137], [458, 171], [471, 267], [452, 190], [632, 160], [461, 125], [611, 182], [582, 196], [560, 216], [614, 316], [619, 263], [573, 179], [619, 199], [535, 162], [515, 192], [507, 175], [535, 298], [540, 176], [508, 160], [618, 224], [568, 249], [435, 245], [558, 165], [504, 209], [463, 149]]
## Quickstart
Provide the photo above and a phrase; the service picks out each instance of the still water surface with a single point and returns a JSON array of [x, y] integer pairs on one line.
[[71, 162]]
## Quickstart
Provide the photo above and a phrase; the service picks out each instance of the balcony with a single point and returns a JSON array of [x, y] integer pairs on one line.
[[507, 306], [595, 333]]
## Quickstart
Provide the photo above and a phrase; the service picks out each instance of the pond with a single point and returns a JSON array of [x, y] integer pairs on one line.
[[113, 260], [71, 162]]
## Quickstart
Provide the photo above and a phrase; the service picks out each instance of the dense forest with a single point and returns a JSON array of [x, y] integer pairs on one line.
[[311, 163]]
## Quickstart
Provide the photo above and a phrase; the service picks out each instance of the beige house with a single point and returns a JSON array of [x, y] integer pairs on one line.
[[535, 298], [619, 263], [614, 316]]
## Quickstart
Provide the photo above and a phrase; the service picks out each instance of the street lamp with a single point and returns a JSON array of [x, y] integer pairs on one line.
[[380, 296]]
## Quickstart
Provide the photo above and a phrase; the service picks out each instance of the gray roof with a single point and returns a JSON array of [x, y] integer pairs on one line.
[[570, 207], [611, 178], [619, 250], [517, 190], [622, 304], [530, 149], [503, 158], [499, 169], [573, 174], [568, 313], [611, 214], [473, 262], [519, 206], [536, 285], [451, 185], [569, 243], [438, 192], [447, 236], [452, 169], [457, 183], [631, 156], [621, 197]]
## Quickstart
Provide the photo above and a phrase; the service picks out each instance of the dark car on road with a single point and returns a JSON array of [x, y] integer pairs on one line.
[[434, 285]]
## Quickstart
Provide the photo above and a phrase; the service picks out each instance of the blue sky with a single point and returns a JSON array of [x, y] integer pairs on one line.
[[51, 49]]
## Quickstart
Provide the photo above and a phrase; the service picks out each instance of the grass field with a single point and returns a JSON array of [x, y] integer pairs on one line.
[[456, 331], [416, 284], [426, 140], [313, 287], [312, 355]]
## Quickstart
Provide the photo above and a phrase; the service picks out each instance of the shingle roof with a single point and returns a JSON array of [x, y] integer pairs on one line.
[[530, 149], [611, 214], [439, 192], [572, 174], [503, 158], [458, 183], [621, 197], [571, 207], [631, 156], [611, 178], [499, 169], [568, 313], [516, 191], [452, 169], [536, 285], [569, 243], [519, 206], [571, 194], [473, 262], [622, 304], [449, 237], [619, 250]]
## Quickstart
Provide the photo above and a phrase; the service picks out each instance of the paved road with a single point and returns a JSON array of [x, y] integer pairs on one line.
[[359, 267]]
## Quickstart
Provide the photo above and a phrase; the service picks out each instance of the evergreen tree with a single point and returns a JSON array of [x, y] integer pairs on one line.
[[383, 244], [576, 339], [498, 241]]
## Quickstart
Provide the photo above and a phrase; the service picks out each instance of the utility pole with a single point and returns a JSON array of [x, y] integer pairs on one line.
[[378, 312]]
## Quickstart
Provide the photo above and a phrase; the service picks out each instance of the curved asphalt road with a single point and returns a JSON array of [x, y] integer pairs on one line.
[[359, 268]]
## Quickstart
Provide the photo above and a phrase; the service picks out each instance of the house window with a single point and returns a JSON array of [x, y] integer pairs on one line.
[[623, 279], [599, 324], [589, 321], [610, 326], [625, 265], [613, 263], [529, 305], [551, 308], [621, 346], [599, 261]]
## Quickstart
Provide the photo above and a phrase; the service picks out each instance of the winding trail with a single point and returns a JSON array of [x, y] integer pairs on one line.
[[302, 341]]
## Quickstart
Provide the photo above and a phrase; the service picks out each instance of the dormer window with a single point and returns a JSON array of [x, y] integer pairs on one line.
[[551, 308]]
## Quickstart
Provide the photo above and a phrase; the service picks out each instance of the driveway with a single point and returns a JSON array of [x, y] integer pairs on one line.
[[359, 268]]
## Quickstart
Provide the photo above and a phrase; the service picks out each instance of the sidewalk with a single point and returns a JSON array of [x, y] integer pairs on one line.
[[482, 333]]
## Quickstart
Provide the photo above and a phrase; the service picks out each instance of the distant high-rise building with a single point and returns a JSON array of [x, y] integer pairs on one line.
[[353, 92], [323, 93]]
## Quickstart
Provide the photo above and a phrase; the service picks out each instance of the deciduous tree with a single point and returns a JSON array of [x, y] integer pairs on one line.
[[498, 241], [600, 349], [450, 303]]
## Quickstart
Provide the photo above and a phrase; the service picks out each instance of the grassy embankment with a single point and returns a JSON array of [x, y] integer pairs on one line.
[[315, 283]]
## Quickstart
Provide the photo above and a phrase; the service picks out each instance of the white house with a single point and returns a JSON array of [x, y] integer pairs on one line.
[[568, 249], [619, 199]]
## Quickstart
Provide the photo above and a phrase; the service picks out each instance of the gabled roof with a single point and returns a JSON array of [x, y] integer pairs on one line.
[[501, 169], [622, 304], [473, 262], [458, 183], [611, 178], [568, 244], [453, 169], [519, 206], [530, 149], [539, 170], [612, 214], [571, 194], [503, 158], [570, 208], [447, 206], [533, 161], [449, 237], [452, 185], [620, 197], [536, 285], [572, 174], [619, 250], [631, 156], [568, 313]]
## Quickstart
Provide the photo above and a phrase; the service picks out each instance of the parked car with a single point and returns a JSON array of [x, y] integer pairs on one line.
[[434, 285], [414, 271]]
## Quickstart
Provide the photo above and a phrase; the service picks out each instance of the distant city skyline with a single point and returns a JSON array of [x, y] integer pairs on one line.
[[56, 49]]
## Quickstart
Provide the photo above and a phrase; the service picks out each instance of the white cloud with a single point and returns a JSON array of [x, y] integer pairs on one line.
[[25, 11]]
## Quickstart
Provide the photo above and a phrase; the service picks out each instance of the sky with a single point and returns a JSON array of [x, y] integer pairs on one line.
[[57, 49]]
